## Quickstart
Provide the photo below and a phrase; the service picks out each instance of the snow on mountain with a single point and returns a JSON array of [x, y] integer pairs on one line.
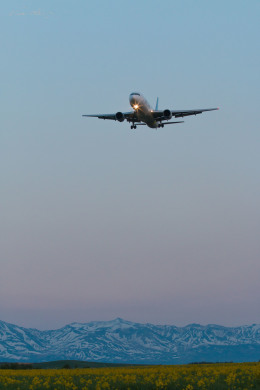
[[123, 341]]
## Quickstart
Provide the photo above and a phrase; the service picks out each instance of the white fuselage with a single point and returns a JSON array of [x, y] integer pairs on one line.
[[142, 109]]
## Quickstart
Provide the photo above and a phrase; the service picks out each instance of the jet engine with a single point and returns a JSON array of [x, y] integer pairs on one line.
[[167, 114], [120, 116]]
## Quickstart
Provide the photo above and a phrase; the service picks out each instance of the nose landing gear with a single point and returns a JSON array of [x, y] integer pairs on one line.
[[161, 125], [133, 126]]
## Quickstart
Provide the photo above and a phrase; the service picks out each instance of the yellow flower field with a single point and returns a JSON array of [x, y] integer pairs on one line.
[[244, 376]]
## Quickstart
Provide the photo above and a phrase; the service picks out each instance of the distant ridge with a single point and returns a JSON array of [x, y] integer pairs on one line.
[[58, 364], [121, 341]]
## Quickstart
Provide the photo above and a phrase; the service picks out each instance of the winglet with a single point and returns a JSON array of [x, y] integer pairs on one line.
[[157, 103]]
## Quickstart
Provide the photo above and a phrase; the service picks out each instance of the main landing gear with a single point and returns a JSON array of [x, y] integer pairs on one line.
[[161, 125], [133, 127]]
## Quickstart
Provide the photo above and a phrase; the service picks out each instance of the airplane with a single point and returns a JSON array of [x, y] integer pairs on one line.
[[143, 114]]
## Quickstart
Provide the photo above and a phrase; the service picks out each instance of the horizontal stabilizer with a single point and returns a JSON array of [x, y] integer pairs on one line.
[[163, 123], [170, 123]]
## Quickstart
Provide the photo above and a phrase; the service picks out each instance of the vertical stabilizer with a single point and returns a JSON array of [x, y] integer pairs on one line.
[[157, 103]]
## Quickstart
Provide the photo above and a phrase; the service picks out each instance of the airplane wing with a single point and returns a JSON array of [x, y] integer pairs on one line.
[[126, 115], [159, 114]]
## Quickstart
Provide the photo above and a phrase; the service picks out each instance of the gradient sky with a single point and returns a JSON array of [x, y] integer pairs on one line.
[[98, 221]]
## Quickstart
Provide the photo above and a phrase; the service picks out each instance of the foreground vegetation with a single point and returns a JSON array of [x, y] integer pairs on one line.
[[187, 377]]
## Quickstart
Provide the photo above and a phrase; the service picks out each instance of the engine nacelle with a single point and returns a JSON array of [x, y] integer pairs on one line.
[[167, 114], [120, 116]]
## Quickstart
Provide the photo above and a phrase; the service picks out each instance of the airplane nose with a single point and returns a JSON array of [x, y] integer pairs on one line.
[[131, 99], [134, 99]]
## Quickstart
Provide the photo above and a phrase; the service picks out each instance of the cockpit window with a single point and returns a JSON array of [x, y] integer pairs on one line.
[[135, 93]]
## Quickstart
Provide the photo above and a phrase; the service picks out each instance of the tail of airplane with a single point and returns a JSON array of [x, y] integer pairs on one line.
[[157, 103]]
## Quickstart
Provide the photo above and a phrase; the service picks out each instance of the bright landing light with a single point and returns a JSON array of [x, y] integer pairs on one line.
[[136, 106]]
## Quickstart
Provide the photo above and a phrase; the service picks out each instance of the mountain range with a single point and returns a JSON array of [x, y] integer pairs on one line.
[[121, 341]]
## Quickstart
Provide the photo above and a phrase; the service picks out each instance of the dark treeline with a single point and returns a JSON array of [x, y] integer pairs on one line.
[[57, 364], [16, 366]]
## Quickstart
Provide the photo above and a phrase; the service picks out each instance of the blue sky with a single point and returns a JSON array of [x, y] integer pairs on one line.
[[98, 221]]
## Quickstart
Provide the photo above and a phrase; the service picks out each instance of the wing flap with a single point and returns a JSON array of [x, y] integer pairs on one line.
[[178, 114], [102, 116], [159, 114], [127, 115]]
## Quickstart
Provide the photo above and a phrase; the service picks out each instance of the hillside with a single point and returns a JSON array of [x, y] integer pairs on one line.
[[121, 341]]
